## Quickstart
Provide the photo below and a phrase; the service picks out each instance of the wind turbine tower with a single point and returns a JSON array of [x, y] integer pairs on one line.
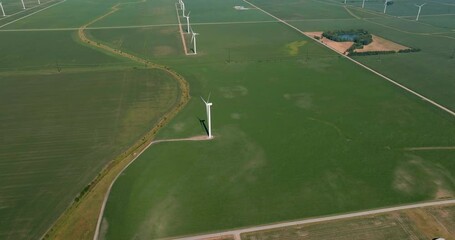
[[193, 40], [363, 3], [3, 11], [208, 104], [385, 5], [23, 4], [187, 22], [418, 13]]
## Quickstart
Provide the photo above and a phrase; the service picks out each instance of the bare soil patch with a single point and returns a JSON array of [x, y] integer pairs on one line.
[[380, 44]]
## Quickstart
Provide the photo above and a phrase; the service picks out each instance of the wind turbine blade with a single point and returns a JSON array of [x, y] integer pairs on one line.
[[188, 14], [203, 100], [208, 98]]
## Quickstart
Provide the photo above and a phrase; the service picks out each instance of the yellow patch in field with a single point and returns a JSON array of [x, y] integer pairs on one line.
[[293, 47]]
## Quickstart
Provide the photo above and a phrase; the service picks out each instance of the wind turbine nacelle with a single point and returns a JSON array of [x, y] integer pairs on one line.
[[209, 104]]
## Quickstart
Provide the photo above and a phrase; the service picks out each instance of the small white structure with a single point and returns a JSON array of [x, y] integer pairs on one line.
[[418, 13], [39, 2], [23, 4], [240, 8], [363, 4], [208, 104]]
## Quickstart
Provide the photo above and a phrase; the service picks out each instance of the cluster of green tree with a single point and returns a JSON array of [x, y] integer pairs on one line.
[[409, 50], [360, 37], [352, 53]]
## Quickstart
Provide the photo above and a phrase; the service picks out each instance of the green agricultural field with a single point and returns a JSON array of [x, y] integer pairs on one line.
[[59, 130], [429, 72], [299, 131]]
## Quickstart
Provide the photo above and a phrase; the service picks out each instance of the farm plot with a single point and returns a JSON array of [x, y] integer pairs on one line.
[[428, 72], [58, 132], [408, 224], [297, 134]]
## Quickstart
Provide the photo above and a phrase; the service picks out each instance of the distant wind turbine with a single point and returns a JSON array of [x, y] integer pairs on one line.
[[193, 40], [187, 22], [3, 11], [418, 13], [208, 104], [385, 5]]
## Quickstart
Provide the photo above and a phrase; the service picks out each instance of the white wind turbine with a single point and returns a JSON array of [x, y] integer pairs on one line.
[[193, 40], [183, 8], [385, 5], [23, 4], [418, 13], [208, 104], [3, 11], [187, 22]]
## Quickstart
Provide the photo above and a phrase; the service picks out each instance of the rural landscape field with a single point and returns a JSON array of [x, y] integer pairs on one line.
[[103, 128]]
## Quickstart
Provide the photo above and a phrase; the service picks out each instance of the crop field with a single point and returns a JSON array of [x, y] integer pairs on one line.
[[67, 111], [432, 34], [59, 130], [409, 224], [300, 131]]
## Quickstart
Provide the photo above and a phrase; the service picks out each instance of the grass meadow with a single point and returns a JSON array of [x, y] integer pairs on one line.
[[299, 131]]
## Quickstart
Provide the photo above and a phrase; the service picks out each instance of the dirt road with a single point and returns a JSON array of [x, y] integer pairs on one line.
[[236, 233]]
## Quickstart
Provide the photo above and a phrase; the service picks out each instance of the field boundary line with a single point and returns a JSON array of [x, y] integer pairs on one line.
[[33, 13], [181, 31], [106, 197], [237, 232], [360, 64]]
